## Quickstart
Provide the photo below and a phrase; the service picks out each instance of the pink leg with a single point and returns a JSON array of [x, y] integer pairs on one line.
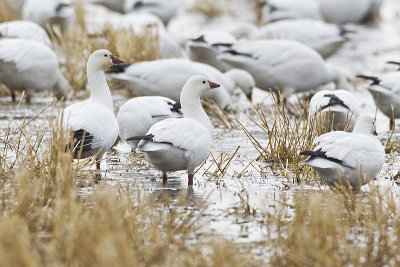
[[164, 178], [392, 124], [13, 97], [190, 179], [28, 99]]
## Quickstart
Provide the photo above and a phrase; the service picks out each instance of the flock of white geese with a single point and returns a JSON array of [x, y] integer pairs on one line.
[[166, 121]]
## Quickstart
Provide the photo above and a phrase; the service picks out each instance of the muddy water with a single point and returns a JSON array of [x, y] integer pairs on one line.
[[226, 196]]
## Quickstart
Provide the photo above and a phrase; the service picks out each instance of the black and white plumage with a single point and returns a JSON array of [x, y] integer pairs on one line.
[[275, 10], [283, 64], [385, 90], [137, 115], [207, 45], [165, 10], [341, 105], [166, 77], [93, 121], [355, 157], [23, 61], [181, 143]]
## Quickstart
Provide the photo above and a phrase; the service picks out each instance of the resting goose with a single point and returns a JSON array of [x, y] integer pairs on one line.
[[290, 9], [166, 77], [243, 80], [349, 11], [348, 155], [341, 105], [93, 122], [181, 143], [323, 37], [386, 93], [282, 64], [30, 66], [165, 10], [52, 12], [207, 45], [141, 22], [21, 29], [137, 115]]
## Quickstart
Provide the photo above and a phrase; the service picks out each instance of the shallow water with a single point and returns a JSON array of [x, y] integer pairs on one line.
[[226, 196]]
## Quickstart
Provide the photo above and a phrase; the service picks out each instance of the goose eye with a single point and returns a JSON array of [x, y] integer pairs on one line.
[[204, 82], [105, 55]]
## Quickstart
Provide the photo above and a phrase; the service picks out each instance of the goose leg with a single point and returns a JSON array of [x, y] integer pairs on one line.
[[391, 124], [190, 179], [13, 96], [164, 178], [28, 99], [98, 165]]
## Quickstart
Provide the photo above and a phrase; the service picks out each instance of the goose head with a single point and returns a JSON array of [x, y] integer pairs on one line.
[[365, 125], [198, 85], [103, 59], [243, 80]]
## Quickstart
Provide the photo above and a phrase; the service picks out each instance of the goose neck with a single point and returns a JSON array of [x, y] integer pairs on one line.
[[99, 90], [192, 108]]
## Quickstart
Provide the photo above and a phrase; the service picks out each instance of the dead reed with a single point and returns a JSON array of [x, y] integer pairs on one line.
[[286, 136], [8, 11]]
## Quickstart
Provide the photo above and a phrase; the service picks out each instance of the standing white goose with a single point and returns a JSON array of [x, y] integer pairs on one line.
[[283, 64], [24, 30], [325, 38], [22, 62], [355, 157], [137, 115], [93, 121], [386, 93], [341, 105], [181, 143]]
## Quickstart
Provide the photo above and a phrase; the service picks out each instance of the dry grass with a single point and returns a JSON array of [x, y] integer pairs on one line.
[[8, 12], [76, 45], [287, 135], [46, 221], [211, 8], [333, 229]]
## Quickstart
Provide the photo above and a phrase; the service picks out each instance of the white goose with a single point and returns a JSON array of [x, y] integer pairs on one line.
[[349, 11], [116, 5], [243, 80], [181, 143], [93, 121], [341, 105], [356, 157], [386, 93], [52, 12], [323, 37], [141, 22], [165, 10], [207, 45], [137, 115], [23, 61], [21, 29], [166, 77], [290, 9], [283, 64]]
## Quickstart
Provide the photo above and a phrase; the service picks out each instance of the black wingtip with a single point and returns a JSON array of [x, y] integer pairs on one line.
[[222, 44], [306, 153], [236, 53], [375, 80], [137, 138], [176, 107], [117, 68]]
